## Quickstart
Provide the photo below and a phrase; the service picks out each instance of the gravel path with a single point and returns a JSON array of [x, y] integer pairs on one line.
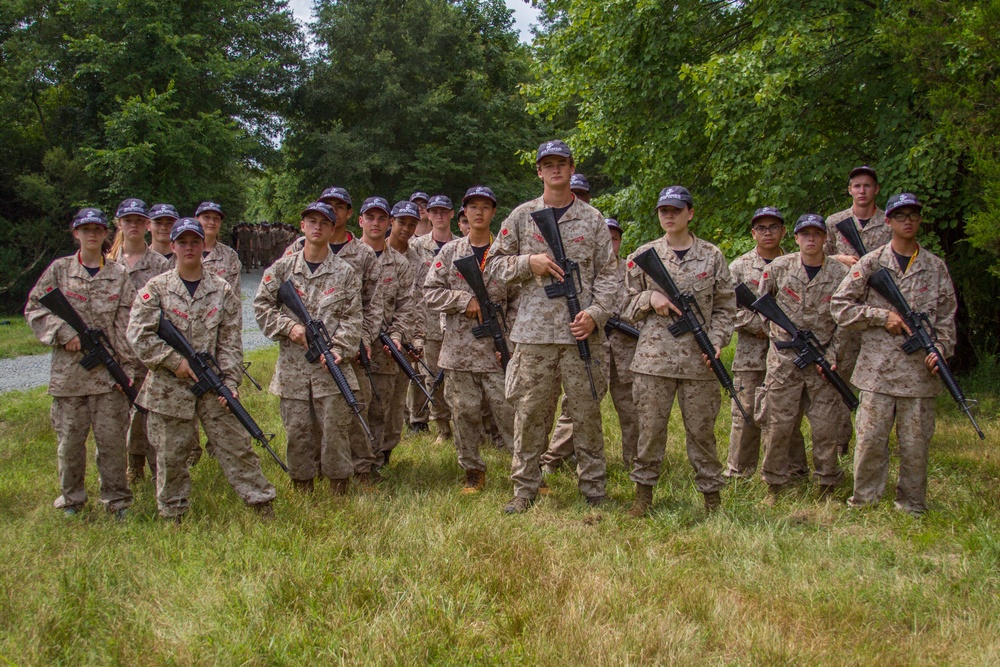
[[29, 372]]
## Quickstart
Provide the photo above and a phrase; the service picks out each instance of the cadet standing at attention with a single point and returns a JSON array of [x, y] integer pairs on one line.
[[315, 414], [896, 388], [141, 264], [424, 226], [221, 259], [206, 310], [767, 227], [441, 211], [161, 219], [85, 400], [546, 357], [666, 366], [802, 284], [474, 374]]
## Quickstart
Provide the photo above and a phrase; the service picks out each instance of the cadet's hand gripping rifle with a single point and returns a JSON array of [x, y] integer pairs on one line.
[[690, 320], [493, 323], [571, 285], [403, 364]]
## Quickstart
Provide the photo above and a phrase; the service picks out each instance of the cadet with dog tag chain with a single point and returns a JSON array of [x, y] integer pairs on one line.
[[206, 310], [666, 366], [87, 399], [473, 371], [315, 414], [440, 210], [141, 263], [896, 387], [547, 357], [767, 227], [802, 284]]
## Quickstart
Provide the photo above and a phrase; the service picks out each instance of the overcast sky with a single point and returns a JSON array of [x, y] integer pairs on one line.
[[524, 14]]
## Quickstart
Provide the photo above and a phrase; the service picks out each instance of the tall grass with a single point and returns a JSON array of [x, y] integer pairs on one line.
[[16, 338], [419, 574]]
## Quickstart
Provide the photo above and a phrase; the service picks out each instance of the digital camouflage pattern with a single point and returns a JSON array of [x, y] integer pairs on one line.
[[224, 262], [875, 234], [399, 307], [150, 264], [465, 391]]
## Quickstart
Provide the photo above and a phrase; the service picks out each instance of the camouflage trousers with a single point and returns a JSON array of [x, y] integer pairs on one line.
[[745, 438], [171, 436], [561, 444], [465, 392], [317, 428], [363, 457], [439, 410], [534, 377], [914, 420], [700, 402], [385, 417], [72, 419], [137, 442], [784, 394]]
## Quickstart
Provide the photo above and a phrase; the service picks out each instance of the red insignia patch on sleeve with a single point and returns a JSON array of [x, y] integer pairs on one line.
[[267, 278], [459, 274], [631, 264], [438, 265], [857, 274], [48, 289], [764, 276], [145, 296], [504, 232]]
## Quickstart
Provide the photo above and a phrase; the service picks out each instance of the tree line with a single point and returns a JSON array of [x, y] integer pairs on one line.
[[746, 102]]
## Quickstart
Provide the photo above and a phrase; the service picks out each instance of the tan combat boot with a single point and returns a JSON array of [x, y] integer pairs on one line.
[[643, 501], [475, 480], [517, 505], [338, 487]]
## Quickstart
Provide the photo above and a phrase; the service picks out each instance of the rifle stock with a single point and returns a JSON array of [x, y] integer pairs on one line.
[[745, 297], [208, 380], [93, 343], [850, 232], [615, 323], [318, 339], [492, 314], [545, 220], [691, 319], [403, 364], [922, 337]]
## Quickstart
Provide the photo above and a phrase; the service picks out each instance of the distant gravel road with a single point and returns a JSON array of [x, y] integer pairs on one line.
[[30, 372]]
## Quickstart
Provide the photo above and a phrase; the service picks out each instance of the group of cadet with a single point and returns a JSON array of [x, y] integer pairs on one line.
[[399, 299], [259, 245]]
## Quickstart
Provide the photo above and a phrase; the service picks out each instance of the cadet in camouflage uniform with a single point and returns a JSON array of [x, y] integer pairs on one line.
[[469, 362], [750, 362], [546, 356], [418, 413], [161, 219], [665, 366], [424, 226], [245, 240], [85, 400], [206, 310], [314, 412], [141, 263], [385, 416], [802, 284], [221, 260], [896, 387], [440, 210]]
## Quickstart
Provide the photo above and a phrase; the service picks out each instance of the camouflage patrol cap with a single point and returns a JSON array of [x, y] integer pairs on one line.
[[90, 216], [810, 220], [579, 182], [901, 200], [132, 207]]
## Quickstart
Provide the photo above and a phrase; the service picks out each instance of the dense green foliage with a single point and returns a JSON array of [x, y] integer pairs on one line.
[[413, 94], [100, 100], [772, 102]]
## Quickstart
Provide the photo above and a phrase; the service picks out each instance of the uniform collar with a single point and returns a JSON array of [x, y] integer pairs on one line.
[[696, 251], [887, 259], [326, 266], [208, 284]]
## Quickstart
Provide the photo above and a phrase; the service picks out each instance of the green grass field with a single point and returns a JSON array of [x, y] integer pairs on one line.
[[16, 339], [419, 574]]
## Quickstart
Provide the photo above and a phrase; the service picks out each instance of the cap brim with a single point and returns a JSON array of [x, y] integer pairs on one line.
[[810, 225], [675, 203], [316, 210]]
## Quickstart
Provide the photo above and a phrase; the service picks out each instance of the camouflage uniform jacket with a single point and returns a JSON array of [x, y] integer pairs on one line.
[[586, 240], [150, 264], [751, 351], [332, 295], [417, 269], [211, 322], [224, 262], [622, 346], [882, 365], [426, 249], [362, 259], [398, 306], [702, 273], [245, 239], [875, 234], [806, 302], [446, 291], [103, 301]]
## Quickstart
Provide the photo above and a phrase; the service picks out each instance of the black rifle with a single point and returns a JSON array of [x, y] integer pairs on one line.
[[571, 285], [745, 297], [615, 324], [420, 360], [318, 340], [493, 322], [810, 350], [850, 232], [366, 363], [205, 366], [438, 381], [403, 364], [691, 319], [94, 342], [922, 337]]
